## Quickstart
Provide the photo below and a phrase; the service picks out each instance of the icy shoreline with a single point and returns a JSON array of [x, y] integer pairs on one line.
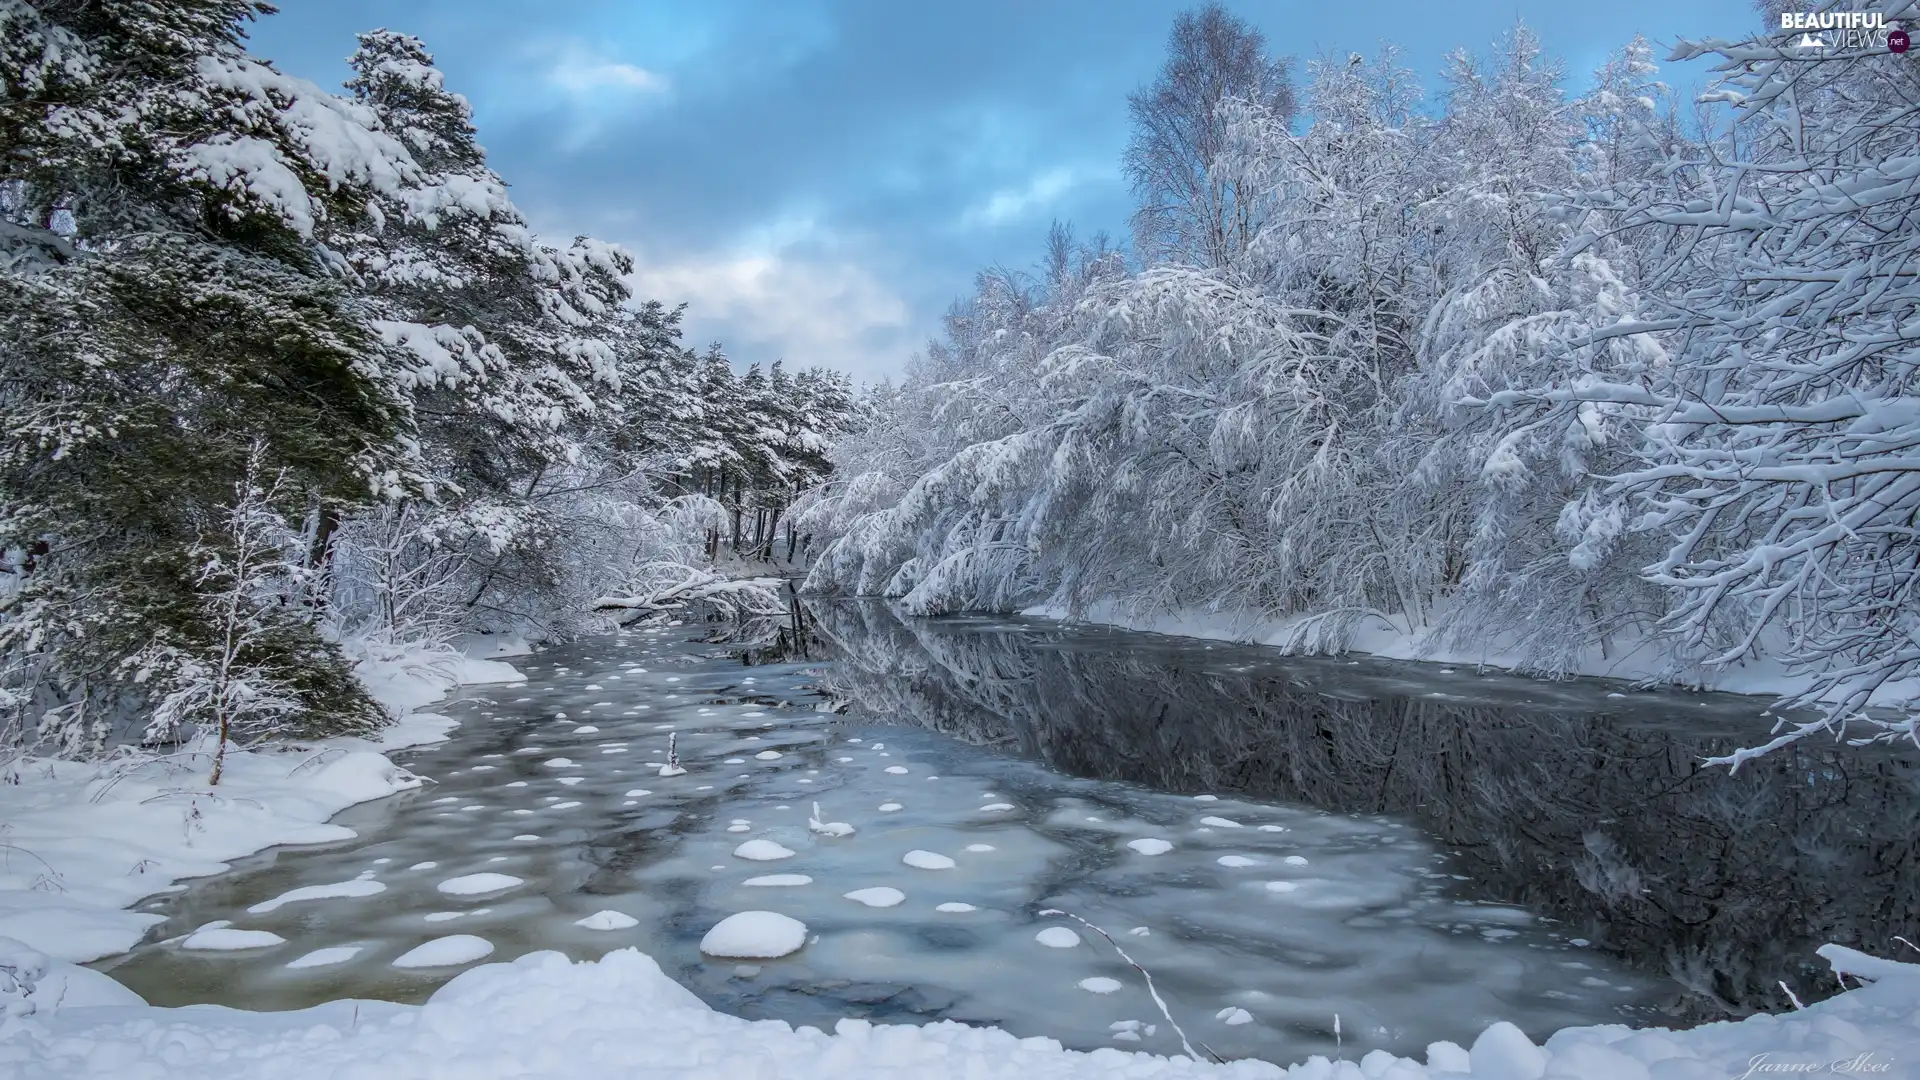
[[85, 841], [1631, 661], [545, 1016]]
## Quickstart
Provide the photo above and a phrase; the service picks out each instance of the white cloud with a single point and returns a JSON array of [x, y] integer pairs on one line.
[[1009, 204], [767, 305], [607, 75], [581, 72]]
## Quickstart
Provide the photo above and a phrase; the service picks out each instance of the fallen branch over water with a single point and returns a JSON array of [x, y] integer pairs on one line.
[[672, 586]]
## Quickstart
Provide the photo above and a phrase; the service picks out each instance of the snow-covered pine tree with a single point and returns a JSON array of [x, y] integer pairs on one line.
[[164, 306], [517, 356]]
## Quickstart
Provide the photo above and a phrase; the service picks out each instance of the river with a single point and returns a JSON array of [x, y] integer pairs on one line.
[[1308, 855]]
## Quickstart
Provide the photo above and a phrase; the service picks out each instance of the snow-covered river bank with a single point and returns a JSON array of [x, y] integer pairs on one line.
[[1223, 855]]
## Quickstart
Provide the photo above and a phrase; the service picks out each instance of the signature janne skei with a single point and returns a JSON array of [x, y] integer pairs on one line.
[[1867, 1064]]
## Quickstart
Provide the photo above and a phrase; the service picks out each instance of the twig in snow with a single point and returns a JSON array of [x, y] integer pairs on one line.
[[827, 828], [1145, 974]]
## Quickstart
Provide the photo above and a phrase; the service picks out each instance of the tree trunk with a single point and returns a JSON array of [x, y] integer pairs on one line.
[[321, 555]]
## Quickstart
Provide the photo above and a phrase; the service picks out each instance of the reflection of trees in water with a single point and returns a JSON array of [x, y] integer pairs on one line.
[[1728, 883]]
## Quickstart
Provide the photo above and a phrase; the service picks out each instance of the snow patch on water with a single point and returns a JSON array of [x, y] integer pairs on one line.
[[762, 851], [356, 887], [477, 884], [449, 951], [338, 954], [227, 939], [1057, 937], [607, 920], [755, 935]]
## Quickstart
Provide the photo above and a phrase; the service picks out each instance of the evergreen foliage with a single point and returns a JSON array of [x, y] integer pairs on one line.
[[287, 377]]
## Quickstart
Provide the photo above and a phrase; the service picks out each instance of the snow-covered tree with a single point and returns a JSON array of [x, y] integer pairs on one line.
[[211, 274], [1189, 212], [165, 306], [517, 355], [1774, 456], [235, 674]]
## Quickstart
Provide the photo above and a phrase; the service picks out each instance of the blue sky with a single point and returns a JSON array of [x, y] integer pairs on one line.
[[819, 179]]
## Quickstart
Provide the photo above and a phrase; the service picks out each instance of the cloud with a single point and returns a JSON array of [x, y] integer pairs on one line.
[[766, 305], [579, 72], [599, 75], [1013, 203]]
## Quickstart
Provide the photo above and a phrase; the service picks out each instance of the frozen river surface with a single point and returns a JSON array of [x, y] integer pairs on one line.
[[1308, 856]]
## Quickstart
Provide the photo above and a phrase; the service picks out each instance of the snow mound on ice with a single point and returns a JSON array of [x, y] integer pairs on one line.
[[755, 935], [878, 896], [476, 884], [338, 954], [356, 887], [227, 939], [1149, 845], [762, 851], [445, 952], [927, 860], [607, 920]]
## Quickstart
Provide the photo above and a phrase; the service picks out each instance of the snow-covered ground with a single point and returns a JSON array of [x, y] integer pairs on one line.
[[545, 1016], [1635, 660], [80, 842]]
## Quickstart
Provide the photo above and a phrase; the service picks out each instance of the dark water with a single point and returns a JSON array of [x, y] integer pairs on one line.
[[1583, 800], [1415, 850]]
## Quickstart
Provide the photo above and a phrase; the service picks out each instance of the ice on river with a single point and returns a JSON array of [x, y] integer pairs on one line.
[[478, 884], [449, 951], [755, 935], [228, 939], [607, 920], [762, 851], [1285, 913], [337, 954], [356, 887], [766, 881]]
